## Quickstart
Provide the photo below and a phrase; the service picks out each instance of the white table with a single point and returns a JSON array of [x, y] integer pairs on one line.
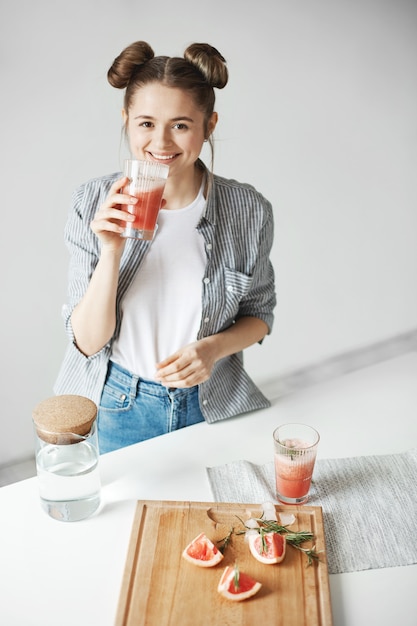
[[59, 574]]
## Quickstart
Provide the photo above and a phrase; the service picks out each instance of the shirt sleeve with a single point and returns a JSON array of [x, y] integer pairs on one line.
[[260, 300], [83, 245]]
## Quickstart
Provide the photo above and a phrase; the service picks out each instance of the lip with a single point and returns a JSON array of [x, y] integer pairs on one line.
[[163, 158]]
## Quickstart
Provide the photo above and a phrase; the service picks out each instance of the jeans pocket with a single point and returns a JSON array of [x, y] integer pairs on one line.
[[115, 396]]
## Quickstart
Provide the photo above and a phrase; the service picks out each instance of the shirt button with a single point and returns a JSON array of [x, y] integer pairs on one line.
[[206, 281], [209, 246], [230, 288], [206, 319], [204, 402]]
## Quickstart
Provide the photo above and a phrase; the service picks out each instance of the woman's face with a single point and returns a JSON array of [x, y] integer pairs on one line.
[[164, 125]]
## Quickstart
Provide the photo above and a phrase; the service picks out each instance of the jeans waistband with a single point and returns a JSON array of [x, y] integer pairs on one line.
[[136, 383]]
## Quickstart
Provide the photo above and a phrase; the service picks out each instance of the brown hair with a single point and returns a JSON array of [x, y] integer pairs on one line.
[[201, 69]]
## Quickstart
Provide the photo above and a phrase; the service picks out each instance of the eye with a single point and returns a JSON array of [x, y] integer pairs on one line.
[[180, 126], [145, 124]]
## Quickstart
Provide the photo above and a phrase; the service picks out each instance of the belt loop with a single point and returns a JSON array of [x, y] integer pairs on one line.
[[134, 386]]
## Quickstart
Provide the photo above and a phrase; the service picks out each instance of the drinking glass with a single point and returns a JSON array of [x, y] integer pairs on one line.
[[147, 183], [295, 449]]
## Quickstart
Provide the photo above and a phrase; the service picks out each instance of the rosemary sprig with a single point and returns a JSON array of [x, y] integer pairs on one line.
[[236, 577], [263, 543], [226, 540], [293, 538]]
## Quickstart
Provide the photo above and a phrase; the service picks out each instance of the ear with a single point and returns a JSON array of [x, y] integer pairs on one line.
[[124, 117], [212, 123]]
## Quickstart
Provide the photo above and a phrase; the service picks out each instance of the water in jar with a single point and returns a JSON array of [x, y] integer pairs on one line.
[[69, 481]]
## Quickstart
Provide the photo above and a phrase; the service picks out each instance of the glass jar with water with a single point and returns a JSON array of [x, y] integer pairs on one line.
[[67, 457]]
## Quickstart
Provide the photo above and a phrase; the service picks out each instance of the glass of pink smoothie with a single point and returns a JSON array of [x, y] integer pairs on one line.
[[295, 449], [147, 183]]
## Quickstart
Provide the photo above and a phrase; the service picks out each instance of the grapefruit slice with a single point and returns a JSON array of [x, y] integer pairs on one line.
[[268, 548], [236, 586], [202, 552]]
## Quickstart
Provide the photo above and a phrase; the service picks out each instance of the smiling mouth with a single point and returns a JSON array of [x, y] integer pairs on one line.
[[163, 157]]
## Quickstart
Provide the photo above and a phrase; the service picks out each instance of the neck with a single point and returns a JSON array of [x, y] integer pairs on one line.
[[179, 193]]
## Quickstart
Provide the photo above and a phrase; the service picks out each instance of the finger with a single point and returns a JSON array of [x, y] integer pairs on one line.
[[118, 185], [100, 226], [172, 364], [122, 199], [178, 383], [169, 359], [113, 220], [177, 374], [187, 380], [114, 213], [119, 194]]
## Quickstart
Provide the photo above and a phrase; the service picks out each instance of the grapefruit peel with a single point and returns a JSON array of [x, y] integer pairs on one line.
[[237, 586], [202, 552], [267, 547]]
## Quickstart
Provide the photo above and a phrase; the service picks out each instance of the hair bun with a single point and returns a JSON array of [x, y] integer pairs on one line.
[[210, 63], [126, 63]]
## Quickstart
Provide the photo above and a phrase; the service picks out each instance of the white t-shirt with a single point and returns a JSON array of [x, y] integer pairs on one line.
[[162, 308]]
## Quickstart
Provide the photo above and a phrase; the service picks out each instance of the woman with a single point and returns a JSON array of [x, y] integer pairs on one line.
[[157, 328]]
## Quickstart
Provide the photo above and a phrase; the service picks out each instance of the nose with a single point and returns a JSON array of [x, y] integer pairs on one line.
[[162, 137]]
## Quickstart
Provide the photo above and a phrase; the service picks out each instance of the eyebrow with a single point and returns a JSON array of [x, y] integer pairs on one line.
[[174, 119]]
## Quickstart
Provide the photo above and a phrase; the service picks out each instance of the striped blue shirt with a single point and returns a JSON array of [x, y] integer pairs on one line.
[[237, 227]]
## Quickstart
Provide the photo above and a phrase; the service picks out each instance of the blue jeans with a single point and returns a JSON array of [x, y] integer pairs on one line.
[[133, 409]]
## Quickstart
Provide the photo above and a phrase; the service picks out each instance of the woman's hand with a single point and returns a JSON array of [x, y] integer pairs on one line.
[[109, 221], [189, 366], [194, 363]]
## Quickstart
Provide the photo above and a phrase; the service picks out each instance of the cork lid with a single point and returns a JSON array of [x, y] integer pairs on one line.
[[64, 414]]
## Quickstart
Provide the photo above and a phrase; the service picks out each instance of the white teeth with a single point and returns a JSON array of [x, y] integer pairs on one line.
[[162, 158]]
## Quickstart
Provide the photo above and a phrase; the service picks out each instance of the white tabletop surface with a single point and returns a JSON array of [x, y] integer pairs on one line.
[[64, 574]]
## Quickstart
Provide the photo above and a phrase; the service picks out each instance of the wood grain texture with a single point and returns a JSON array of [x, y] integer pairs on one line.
[[159, 587]]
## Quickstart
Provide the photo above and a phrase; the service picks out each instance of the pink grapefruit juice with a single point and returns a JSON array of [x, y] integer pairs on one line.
[[292, 479], [146, 209], [294, 470]]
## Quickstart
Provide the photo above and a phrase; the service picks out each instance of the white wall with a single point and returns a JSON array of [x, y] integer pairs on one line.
[[319, 114]]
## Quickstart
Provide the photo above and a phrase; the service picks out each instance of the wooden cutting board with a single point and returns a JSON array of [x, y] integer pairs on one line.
[[161, 588]]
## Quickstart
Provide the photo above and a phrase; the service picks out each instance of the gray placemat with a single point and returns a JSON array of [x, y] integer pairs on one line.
[[369, 505]]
